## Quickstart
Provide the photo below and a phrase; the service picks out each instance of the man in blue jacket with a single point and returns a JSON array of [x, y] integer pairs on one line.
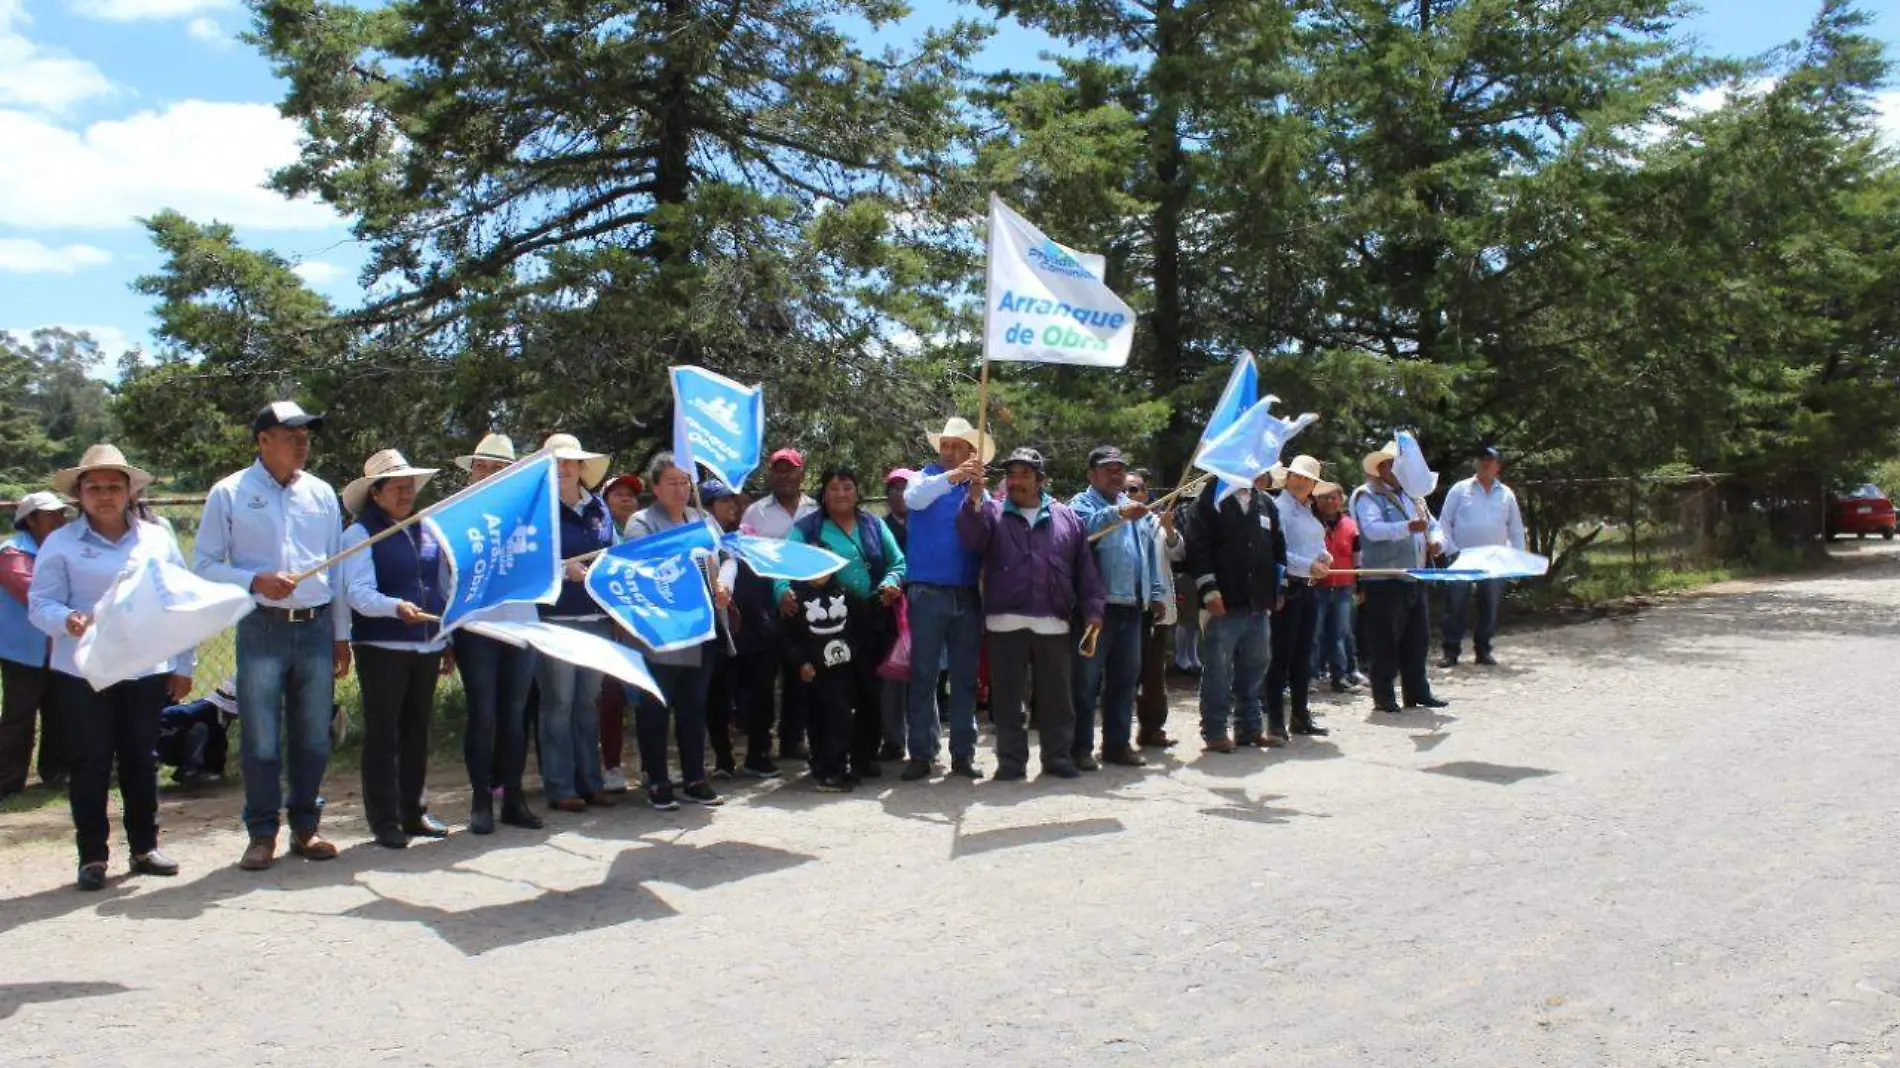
[[1038, 575], [1125, 556]]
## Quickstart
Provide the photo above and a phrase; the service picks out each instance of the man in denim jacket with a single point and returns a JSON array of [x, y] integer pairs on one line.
[[1125, 555]]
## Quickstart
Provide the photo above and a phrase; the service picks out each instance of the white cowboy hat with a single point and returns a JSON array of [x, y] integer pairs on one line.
[[594, 465], [385, 464], [495, 447], [959, 428], [100, 457], [224, 698], [1371, 463], [1325, 488], [38, 501], [1307, 466], [1276, 476]]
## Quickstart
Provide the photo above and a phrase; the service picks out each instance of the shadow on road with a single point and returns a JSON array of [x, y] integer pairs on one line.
[[1479, 771], [14, 996]]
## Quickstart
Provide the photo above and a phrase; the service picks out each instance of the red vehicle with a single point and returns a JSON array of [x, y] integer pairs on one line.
[[1860, 513]]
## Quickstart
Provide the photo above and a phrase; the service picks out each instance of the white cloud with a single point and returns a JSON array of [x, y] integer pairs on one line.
[[112, 340], [318, 273], [207, 160], [20, 255], [31, 76], [208, 31], [134, 10], [1887, 116]]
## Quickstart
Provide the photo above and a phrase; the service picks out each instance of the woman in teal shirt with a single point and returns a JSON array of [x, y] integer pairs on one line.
[[873, 580]]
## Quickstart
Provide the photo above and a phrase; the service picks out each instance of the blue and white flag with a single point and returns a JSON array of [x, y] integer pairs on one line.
[[654, 587], [1415, 477], [501, 537], [1240, 394], [577, 647], [1501, 562], [1251, 446], [1047, 303], [776, 558], [718, 423]]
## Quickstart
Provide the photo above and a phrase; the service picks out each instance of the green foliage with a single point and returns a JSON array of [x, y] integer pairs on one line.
[[51, 406]]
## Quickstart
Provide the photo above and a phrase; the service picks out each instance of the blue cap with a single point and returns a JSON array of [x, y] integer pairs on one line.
[[714, 490]]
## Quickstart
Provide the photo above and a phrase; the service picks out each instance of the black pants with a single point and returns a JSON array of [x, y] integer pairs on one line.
[[200, 746], [1151, 698], [793, 709], [398, 697], [755, 698], [1397, 639], [847, 702], [496, 681], [1291, 667], [722, 707], [1013, 654], [30, 695], [119, 722]]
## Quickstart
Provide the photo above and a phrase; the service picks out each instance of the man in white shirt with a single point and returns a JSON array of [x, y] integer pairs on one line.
[[1307, 561], [1478, 511], [772, 516]]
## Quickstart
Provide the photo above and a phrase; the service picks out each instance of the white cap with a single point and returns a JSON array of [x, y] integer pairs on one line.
[[43, 501]]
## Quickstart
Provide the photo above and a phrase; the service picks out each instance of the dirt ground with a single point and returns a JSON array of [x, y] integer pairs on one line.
[[1658, 838]]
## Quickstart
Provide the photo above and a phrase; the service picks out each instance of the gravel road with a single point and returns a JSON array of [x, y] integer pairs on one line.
[[1662, 839]]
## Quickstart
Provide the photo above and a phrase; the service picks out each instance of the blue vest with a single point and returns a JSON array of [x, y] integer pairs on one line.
[[936, 555], [409, 568], [1397, 555], [21, 641]]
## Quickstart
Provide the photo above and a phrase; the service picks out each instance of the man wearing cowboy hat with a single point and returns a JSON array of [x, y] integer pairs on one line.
[[23, 652], [1129, 567], [945, 616], [262, 527], [1395, 534], [1307, 562], [1481, 510]]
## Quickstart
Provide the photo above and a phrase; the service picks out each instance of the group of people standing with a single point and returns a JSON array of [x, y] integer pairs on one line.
[[1062, 606]]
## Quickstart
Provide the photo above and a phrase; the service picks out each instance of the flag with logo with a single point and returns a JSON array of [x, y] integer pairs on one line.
[[1414, 475], [1047, 303], [716, 422], [1251, 446], [777, 558], [501, 537], [1241, 393], [654, 587], [578, 647], [154, 610]]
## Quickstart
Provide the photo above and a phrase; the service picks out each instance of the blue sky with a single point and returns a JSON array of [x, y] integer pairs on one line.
[[113, 109]]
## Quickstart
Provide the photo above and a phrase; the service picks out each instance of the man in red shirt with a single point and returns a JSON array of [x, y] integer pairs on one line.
[[1334, 651]]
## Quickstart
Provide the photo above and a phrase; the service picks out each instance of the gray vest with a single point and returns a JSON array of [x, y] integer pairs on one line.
[[1400, 554]]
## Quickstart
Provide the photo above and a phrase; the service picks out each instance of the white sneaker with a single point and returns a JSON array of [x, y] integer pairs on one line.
[[614, 781]]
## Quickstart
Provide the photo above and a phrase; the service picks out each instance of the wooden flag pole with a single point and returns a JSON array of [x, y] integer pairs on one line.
[[982, 406], [1155, 507]]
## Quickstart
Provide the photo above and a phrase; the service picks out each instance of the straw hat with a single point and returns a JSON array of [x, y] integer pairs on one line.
[[1307, 466], [1327, 488], [594, 465], [385, 464], [959, 428], [224, 698], [1371, 463], [495, 447], [100, 457], [1276, 476]]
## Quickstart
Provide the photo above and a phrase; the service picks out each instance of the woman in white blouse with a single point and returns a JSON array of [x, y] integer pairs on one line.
[[76, 566]]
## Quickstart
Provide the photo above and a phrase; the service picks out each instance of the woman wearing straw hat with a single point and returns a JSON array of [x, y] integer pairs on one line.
[[570, 721], [76, 565], [395, 591], [496, 678]]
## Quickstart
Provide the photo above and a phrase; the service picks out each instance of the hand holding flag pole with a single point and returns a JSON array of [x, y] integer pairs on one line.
[[1160, 505]]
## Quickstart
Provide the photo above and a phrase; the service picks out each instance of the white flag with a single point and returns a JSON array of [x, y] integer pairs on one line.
[[1047, 303], [577, 647], [1417, 479], [152, 612]]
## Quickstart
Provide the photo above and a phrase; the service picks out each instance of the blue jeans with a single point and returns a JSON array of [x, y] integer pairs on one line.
[[1334, 654], [1458, 597], [286, 689], [943, 619], [570, 723], [685, 689], [1116, 668], [496, 678], [1233, 673]]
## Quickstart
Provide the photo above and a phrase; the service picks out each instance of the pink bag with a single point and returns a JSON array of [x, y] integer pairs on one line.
[[896, 666]]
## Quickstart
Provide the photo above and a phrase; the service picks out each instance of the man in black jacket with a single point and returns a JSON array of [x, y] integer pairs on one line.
[[1235, 554]]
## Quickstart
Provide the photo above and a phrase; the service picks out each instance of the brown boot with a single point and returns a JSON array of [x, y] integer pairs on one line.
[[312, 846], [260, 854]]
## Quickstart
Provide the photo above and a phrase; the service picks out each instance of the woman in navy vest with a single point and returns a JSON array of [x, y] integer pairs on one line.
[[394, 590]]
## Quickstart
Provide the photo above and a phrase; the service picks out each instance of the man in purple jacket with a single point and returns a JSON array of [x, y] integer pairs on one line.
[[1038, 572]]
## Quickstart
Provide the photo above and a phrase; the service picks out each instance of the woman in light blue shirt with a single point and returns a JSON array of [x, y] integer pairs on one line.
[[76, 566]]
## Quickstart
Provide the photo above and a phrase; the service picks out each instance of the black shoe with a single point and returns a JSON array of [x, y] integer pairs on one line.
[[1087, 762], [1487, 660], [92, 876], [516, 813], [833, 784], [154, 863], [1062, 769], [1450, 659], [1387, 707], [481, 814], [1342, 686], [965, 767], [426, 826], [759, 768], [1428, 702], [1008, 773], [723, 771], [391, 838], [794, 752], [915, 770], [661, 798], [1311, 730], [868, 769], [890, 751], [1123, 756], [702, 793]]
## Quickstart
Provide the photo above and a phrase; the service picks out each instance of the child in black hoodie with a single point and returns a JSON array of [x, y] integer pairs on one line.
[[818, 645]]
